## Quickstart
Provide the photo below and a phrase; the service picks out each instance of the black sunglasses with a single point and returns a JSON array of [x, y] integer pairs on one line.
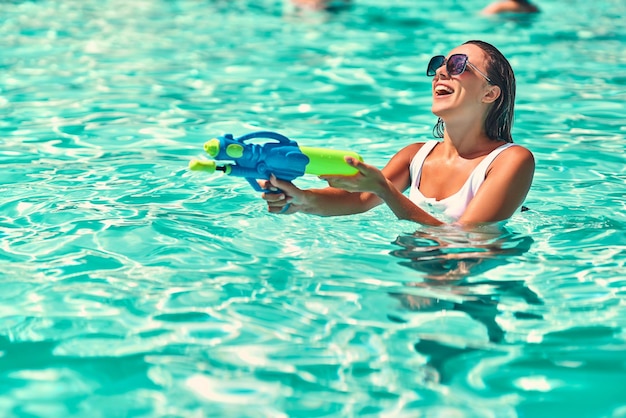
[[455, 65]]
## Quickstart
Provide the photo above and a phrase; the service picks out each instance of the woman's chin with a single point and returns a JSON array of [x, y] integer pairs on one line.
[[438, 111]]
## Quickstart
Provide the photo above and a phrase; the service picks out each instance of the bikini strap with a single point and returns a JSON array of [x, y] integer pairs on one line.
[[418, 161], [479, 173]]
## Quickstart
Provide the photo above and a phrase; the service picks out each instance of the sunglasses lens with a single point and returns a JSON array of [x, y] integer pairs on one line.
[[434, 64], [456, 64]]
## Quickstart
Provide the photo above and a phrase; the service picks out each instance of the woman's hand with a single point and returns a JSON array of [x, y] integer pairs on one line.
[[286, 198], [369, 179], [346, 195]]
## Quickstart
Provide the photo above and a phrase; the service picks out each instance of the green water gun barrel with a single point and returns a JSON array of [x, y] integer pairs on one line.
[[329, 162]]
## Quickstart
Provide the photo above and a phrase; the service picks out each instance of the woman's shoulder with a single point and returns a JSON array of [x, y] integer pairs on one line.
[[517, 151], [515, 157], [408, 152], [415, 147]]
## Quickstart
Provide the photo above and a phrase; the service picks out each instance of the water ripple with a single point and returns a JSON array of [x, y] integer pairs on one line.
[[134, 287]]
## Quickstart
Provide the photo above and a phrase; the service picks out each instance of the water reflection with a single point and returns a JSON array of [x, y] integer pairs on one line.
[[451, 254], [453, 262]]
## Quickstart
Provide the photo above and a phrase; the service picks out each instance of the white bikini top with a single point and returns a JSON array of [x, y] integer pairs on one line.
[[452, 206]]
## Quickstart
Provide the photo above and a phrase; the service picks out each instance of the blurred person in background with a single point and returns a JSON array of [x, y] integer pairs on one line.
[[321, 4], [510, 6]]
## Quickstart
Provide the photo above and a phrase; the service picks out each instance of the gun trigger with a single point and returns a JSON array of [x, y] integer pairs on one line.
[[255, 185]]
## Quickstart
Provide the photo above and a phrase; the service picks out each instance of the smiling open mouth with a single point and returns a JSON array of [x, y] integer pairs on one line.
[[443, 90]]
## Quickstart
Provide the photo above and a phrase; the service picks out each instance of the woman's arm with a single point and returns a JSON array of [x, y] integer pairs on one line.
[[506, 185], [386, 190], [361, 192], [345, 195], [329, 201]]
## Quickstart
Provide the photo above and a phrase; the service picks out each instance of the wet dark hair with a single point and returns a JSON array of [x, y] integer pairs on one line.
[[499, 120]]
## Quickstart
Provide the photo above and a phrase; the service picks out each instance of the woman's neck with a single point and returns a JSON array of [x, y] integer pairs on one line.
[[468, 140]]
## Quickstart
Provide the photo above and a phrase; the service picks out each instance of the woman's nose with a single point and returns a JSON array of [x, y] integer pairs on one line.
[[442, 72]]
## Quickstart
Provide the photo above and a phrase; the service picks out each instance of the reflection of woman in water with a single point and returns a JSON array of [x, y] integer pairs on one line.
[[450, 260], [451, 254]]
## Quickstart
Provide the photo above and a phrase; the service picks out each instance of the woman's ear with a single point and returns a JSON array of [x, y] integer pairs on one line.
[[491, 94]]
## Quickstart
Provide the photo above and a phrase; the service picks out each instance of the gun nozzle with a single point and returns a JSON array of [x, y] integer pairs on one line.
[[206, 166], [212, 147]]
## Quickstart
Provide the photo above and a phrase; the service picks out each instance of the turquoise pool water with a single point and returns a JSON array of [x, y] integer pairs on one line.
[[132, 287]]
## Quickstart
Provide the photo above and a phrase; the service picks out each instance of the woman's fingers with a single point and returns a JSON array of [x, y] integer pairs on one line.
[[276, 202], [366, 180], [286, 186], [279, 196], [267, 185]]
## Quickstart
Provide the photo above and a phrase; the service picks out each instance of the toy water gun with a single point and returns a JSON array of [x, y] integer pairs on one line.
[[279, 156]]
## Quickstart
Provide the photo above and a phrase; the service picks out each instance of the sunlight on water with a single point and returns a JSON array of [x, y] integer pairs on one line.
[[134, 287]]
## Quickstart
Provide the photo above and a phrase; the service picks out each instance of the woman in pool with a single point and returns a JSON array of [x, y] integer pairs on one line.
[[476, 175], [510, 6], [321, 4]]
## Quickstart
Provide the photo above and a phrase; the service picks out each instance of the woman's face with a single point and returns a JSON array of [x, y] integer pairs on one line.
[[462, 95]]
